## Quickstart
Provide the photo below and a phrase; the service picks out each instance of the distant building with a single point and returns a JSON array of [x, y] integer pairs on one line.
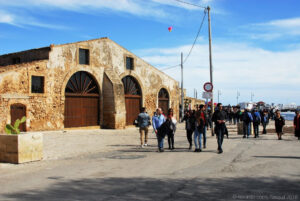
[[248, 105]]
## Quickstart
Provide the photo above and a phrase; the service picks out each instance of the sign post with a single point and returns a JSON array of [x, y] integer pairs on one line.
[[208, 94]]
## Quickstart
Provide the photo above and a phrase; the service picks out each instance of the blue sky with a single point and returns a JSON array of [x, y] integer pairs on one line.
[[256, 43]]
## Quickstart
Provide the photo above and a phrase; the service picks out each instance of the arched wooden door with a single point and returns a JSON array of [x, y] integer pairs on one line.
[[163, 100], [17, 111], [82, 101], [133, 98]]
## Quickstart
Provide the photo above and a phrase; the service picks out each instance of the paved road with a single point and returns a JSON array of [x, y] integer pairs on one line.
[[108, 165]]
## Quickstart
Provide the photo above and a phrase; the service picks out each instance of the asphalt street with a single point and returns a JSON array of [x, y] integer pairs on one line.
[[111, 166]]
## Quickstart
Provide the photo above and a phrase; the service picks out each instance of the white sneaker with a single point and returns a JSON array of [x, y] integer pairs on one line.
[[146, 145], [142, 146]]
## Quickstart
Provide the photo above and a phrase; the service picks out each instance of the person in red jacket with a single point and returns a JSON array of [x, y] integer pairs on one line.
[[297, 125]]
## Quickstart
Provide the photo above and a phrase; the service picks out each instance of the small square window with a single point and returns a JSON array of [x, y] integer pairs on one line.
[[84, 56], [37, 84], [16, 60], [129, 63]]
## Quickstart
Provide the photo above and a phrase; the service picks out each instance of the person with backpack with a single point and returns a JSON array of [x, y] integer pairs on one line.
[[279, 123], [256, 122], [247, 119]]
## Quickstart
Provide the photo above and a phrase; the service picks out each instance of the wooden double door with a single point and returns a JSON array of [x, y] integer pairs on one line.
[[164, 105], [133, 98], [82, 101], [133, 105], [81, 111], [163, 100]]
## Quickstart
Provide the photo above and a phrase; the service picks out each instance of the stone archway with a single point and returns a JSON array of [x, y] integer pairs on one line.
[[133, 98], [82, 99]]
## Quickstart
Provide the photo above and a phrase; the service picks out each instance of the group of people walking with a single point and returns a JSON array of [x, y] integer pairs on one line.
[[162, 126], [198, 121]]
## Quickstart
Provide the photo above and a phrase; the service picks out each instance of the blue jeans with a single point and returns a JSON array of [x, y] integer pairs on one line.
[[220, 135], [160, 141], [247, 129], [204, 135], [197, 139]]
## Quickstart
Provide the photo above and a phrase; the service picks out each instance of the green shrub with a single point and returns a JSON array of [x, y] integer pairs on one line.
[[9, 129]]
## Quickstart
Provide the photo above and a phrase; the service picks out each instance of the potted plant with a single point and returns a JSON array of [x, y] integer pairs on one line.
[[17, 147]]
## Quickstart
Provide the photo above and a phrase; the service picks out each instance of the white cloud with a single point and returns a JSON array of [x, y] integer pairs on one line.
[[237, 66], [20, 21], [275, 29], [150, 8], [6, 18]]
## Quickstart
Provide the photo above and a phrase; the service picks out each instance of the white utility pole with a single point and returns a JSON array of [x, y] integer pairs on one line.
[[210, 66]]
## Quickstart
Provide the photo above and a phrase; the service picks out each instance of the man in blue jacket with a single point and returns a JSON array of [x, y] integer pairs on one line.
[[247, 119], [157, 120], [143, 124], [256, 122]]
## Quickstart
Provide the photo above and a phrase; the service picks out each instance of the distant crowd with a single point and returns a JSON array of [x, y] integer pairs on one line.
[[199, 120]]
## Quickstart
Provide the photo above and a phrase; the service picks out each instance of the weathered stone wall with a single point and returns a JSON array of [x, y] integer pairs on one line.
[[46, 111], [25, 56], [150, 79], [42, 110]]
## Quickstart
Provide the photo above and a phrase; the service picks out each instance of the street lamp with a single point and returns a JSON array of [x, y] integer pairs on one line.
[[237, 97]]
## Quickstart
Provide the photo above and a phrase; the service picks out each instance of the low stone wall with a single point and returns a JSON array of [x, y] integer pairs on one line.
[[21, 148]]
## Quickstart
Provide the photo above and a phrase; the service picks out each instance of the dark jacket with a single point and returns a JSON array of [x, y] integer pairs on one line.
[[279, 122], [219, 115], [189, 122], [247, 117], [167, 127], [297, 128], [200, 125]]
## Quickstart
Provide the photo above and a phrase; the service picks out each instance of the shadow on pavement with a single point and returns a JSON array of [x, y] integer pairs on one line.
[[284, 157], [165, 189]]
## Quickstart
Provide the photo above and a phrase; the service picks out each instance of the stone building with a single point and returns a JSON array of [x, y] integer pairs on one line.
[[90, 83]]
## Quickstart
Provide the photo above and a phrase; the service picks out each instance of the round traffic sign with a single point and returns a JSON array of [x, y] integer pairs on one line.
[[208, 87]]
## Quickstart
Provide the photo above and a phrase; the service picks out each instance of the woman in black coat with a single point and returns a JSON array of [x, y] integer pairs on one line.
[[279, 123], [297, 125], [190, 120]]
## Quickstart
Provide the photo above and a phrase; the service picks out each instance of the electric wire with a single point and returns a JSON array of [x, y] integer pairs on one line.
[[196, 38], [184, 2]]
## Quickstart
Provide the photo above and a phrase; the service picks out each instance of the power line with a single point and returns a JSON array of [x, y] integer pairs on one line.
[[196, 37], [184, 2], [170, 67]]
